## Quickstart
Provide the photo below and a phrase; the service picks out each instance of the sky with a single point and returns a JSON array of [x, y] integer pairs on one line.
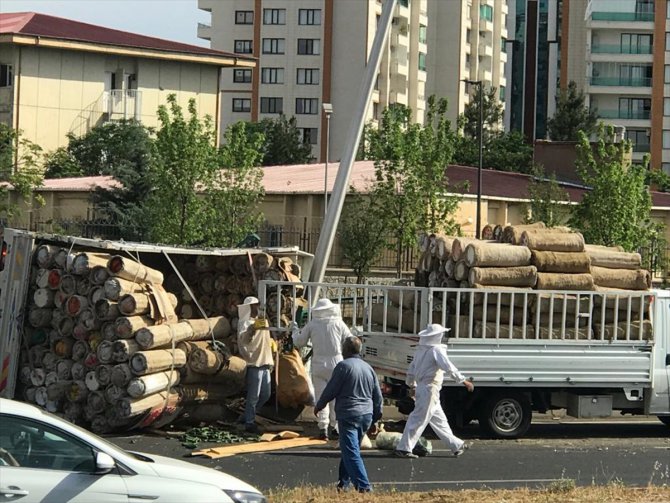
[[170, 19]]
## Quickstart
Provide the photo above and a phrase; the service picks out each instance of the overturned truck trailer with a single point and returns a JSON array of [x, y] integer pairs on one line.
[[116, 334]]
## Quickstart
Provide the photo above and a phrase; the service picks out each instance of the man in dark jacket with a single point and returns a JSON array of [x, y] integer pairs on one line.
[[358, 403]]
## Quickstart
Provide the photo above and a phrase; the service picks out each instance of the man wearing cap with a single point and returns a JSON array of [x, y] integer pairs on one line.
[[426, 373], [255, 347], [327, 332]]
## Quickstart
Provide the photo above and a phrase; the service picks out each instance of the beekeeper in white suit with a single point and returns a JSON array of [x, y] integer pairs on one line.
[[426, 373], [327, 332]]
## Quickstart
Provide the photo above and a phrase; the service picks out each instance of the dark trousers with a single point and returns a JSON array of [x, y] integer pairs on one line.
[[352, 470]]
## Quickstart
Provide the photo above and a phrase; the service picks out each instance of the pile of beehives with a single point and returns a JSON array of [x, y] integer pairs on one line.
[[111, 344], [527, 258]]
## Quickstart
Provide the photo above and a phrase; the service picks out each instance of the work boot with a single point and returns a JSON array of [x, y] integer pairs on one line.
[[333, 434], [404, 454], [323, 434], [252, 428]]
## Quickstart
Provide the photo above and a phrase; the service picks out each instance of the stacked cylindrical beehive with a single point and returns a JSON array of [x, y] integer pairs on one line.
[[106, 348], [615, 271], [435, 252]]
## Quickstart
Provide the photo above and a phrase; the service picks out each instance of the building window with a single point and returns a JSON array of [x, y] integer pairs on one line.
[[308, 76], [308, 106], [273, 46], [274, 16], [309, 16], [310, 46], [667, 41], [244, 17], [422, 61], [503, 44], [666, 107], [634, 108], [310, 135], [6, 76], [486, 12], [666, 138], [241, 105], [243, 46], [640, 139], [272, 105], [423, 37], [502, 93], [242, 76], [468, 34], [272, 76], [375, 111], [637, 43], [667, 73], [666, 167]]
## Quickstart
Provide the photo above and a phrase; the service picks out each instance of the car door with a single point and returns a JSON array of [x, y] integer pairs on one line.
[[40, 463]]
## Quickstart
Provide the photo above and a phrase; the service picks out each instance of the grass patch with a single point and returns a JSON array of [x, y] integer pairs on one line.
[[566, 492]]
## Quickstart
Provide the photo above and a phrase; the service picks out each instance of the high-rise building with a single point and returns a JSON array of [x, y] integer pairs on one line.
[[312, 52], [533, 73], [467, 40], [618, 55]]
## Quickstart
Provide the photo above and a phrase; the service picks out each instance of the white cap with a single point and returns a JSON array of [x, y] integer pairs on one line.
[[322, 304], [249, 300]]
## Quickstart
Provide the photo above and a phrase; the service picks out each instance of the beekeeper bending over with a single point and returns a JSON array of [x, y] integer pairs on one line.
[[327, 332], [426, 373], [256, 348]]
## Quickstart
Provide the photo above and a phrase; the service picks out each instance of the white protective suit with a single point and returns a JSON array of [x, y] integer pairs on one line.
[[427, 372], [327, 332]]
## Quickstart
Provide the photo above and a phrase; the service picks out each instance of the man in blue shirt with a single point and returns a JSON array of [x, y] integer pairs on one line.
[[358, 403]]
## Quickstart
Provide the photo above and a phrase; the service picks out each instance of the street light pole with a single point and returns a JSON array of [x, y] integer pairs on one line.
[[480, 98], [328, 110]]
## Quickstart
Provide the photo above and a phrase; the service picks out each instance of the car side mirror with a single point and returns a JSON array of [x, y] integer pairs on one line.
[[104, 463]]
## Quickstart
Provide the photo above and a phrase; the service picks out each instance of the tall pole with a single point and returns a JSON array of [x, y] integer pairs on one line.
[[327, 236], [325, 178], [478, 229]]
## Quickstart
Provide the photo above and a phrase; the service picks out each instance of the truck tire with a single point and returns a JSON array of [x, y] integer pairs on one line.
[[505, 415], [664, 419]]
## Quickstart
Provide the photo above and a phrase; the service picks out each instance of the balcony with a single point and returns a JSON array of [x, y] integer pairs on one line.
[[619, 49], [625, 114], [620, 81], [122, 104], [625, 17], [485, 25], [484, 50], [205, 31]]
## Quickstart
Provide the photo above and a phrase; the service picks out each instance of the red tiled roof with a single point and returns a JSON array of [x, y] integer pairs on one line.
[[43, 25], [309, 179]]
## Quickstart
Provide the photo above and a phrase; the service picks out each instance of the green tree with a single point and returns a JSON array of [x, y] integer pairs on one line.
[[547, 200], [283, 143], [571, 116], [185, 161], [236, 190], [410, 174], [505, 151], [468, 121], [362, 234], [20, 166], [61, 164], [616, 210]]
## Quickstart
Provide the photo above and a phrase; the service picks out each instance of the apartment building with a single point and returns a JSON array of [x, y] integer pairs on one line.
[[467, 40], [312, 52], [60, 76], [618, 53]]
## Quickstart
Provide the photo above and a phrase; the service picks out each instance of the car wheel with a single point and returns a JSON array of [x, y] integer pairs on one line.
[[505, 415]]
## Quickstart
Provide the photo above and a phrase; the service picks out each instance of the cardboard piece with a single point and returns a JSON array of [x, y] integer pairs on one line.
[[232, 450]]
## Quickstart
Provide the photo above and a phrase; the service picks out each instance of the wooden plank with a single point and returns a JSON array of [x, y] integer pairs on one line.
[[232, 450], [282, 435]]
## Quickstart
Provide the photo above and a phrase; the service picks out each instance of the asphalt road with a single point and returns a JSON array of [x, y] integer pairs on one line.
[[634, 453]]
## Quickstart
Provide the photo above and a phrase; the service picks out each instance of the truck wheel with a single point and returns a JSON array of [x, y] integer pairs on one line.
[[664, 419], [505, 415]]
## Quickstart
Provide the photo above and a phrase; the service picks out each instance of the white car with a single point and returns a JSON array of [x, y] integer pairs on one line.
[[46, 459]]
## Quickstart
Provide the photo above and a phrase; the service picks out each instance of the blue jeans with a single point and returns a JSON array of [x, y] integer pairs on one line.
[[352, 470], [258, 391]]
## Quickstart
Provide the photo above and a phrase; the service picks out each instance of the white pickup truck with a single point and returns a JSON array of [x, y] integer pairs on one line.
[[590, 353]]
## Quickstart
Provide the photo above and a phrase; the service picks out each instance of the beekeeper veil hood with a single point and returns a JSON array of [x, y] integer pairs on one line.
[[244, 313], [432, 335], [325, 309]]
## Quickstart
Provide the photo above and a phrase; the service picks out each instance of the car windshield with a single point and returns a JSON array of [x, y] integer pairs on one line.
[[113, 447]]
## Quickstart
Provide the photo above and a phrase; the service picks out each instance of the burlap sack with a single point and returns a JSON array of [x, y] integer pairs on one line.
[[294, 388]]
